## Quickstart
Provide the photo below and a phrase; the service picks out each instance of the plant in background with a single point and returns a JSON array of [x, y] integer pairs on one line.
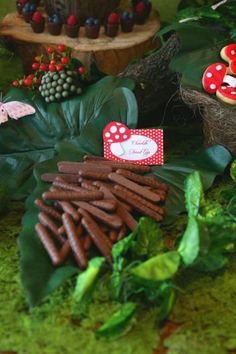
[[57, 77]]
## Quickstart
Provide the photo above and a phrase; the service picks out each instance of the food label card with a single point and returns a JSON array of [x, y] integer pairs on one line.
[[141, 146]]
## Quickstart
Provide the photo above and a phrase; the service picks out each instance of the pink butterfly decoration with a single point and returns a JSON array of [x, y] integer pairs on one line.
[[14, 110]]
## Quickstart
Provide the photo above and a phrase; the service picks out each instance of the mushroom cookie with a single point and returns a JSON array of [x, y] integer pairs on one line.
[[219, 78]]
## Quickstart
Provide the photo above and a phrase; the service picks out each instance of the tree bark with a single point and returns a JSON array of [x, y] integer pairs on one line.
[[155, 82]]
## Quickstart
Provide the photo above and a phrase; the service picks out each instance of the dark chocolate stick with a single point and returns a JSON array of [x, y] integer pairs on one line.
[[70, 209], [123, 213], [111, 220], [87, 184], [158, 209], [95, 175], [62, 184], [98, 237], [65, 251], [143, 180], [122, 233], [75, 241], [50, 177], [75, 167], [123, 181], [109, 205], [123, 165], [70, 196], [49, 223], [138, 206], [48, 244], [47, 209], [87, 242]]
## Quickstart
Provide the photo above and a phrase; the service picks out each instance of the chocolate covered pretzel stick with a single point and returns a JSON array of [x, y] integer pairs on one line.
[[75, 167], [75, 241], [71, 196], [139, 207], [143, 180], [95, 175], [111, 220], [48, 244], [94, 158], [140, 200], [134, 187], [123, 165], [98, 237], [109, 205], [67, 207], [62, 184], [65, 251], [87, 184], [47, 209], [123, 213], [50, 177], [49, 223]]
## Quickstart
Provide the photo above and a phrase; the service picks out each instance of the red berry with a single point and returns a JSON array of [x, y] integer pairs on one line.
[[59, 67], [15, 83], [30, 77], [38, 82], [113, 18], [53, 62], [43, 67], [65, 60], [51, 67], [27, 82], [37, 59], [140, 7], [61, 48], [37, 17], [82, 70], [50, 50], [35, 66], [72, 21]]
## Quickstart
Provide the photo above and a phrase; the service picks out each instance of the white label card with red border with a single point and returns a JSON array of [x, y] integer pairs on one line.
[[140, 146]]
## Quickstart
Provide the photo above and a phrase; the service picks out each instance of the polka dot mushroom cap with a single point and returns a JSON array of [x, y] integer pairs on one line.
[[116, 132], [228, 53], [213, 77]]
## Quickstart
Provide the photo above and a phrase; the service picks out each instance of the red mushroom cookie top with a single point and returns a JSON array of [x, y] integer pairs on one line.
[[213, 77], [228, 53], [232, 67], [116, 132], [227, 94]]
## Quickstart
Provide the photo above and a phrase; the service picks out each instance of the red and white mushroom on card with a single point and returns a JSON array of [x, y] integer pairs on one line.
[[227, 94], [228, 53], [232, 67], [115, 133], [213, 77]]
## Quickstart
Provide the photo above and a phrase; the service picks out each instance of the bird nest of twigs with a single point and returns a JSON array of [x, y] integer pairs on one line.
[[219, 120]]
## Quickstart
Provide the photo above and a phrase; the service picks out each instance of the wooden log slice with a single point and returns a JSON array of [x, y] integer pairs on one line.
[[111, 54]]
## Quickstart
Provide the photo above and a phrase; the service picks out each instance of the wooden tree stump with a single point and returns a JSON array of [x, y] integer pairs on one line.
[[111, 54]]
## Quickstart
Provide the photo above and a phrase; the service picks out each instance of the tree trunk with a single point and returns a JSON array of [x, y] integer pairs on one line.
[[155, 82]]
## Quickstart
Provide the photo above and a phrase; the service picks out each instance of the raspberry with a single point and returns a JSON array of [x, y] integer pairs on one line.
[[113, 18], [37, 17], [140, 7], [72, 21]]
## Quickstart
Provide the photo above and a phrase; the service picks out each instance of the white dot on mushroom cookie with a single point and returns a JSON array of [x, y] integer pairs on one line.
[[107, 135], [209, 75], [219, 67], [213, 86], [122, 130], [233, 52], [117, 136], [113, 129], [125, 136]]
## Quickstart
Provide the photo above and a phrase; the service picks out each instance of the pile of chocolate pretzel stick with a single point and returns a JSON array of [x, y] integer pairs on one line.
[[94, 204]]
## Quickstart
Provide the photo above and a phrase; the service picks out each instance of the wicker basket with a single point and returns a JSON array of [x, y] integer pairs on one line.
[[219, 120], [81, 8]]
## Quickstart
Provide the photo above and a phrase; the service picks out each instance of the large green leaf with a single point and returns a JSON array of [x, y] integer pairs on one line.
[[200, 47], [32, 139], [209, 162]]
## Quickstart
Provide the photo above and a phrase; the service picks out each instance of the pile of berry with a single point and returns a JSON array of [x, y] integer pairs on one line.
[[56, 78]]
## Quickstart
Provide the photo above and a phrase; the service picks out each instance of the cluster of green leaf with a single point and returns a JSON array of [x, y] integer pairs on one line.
[[145, 271]]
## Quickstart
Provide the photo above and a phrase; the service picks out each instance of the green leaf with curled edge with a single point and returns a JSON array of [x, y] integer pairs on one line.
[[190, 243], [119, 322], [32, 139], [194, 195], [158, 268], [233, 171]]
